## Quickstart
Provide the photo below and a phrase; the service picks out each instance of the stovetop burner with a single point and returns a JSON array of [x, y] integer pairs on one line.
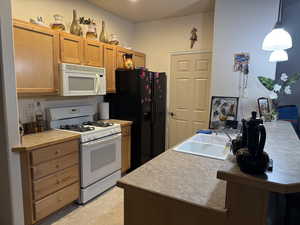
[[98, 124], [78, 128]]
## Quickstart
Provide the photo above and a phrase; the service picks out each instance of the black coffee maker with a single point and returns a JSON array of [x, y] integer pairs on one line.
[[249, 148]]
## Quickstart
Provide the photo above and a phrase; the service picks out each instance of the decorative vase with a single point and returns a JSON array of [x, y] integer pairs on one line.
[[103, 35], [75, 27], [58, 23], [114, 39], [128, 62], [92, 31]]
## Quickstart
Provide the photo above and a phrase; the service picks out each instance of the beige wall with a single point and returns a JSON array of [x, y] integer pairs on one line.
[[26, 9], [160, 37]]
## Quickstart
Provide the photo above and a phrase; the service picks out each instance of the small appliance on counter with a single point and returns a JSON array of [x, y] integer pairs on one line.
[[249, 147], [104, 111]]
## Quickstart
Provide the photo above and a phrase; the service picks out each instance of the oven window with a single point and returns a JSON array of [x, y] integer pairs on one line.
[[102, 157], [81, 84]]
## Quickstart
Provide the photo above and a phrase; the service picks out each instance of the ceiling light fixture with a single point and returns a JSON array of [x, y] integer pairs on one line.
[[278, 38], [279, 56]]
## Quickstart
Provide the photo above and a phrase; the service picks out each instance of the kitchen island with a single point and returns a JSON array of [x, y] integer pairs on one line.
[[178, 188]]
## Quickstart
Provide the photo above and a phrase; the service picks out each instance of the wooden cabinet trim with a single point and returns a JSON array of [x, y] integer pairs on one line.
[[27, 189], [126, 131], [126, 148]]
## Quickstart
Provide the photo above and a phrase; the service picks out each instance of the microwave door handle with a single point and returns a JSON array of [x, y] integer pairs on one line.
[[98, 83]]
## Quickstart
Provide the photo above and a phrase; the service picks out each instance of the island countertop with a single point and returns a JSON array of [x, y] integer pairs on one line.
[[194, 179], [283, 147]]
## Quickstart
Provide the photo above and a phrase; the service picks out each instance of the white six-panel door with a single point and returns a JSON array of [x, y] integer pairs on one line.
[[190, 95]]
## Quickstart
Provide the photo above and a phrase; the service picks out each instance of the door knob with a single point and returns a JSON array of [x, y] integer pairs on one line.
[[171, 114]]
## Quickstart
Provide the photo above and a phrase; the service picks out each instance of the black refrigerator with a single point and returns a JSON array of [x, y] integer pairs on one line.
[[141, 97]]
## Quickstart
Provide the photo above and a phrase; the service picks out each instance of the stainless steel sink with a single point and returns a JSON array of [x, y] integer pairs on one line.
[[212, 146]]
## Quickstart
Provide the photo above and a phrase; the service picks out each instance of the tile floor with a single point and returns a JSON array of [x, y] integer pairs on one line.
[[107, 209]]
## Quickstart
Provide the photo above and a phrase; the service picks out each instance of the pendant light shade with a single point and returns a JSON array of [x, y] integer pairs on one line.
[[279, 56], [277, 39]]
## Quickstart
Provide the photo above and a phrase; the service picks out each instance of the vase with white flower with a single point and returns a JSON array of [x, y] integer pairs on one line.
[[279, 88]]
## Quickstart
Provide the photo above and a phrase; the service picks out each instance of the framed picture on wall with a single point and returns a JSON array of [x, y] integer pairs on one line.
[[263, 106], [222, 109]]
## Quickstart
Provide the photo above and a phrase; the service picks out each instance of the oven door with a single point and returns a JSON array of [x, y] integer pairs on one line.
[[100, 158], [80, 84]]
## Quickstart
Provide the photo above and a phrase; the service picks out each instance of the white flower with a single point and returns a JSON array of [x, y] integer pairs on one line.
[[288, 90], [284, 77], [277, 88], [273, 95]]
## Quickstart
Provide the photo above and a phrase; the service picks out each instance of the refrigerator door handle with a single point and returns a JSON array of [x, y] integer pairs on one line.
[[154, 112]]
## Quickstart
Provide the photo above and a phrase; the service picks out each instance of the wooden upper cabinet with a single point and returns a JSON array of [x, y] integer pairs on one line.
[[120, 52], [36, 58], [139, 59], [71, 48], [93, 53], [109, 54]]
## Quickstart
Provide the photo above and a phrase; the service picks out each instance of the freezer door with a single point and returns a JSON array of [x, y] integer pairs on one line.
[[145, 85], [159, 97]]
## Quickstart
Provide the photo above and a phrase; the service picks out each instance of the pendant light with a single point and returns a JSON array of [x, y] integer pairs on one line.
[[279, 56], [278, 38]]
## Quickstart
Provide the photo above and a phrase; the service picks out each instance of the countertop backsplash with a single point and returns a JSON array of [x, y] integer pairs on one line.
[[27, 105]]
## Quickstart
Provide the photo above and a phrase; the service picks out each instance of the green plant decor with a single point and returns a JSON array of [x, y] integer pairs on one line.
[[280, 88]]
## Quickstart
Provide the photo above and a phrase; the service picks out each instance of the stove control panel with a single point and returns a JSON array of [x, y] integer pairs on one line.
[[90, 136]]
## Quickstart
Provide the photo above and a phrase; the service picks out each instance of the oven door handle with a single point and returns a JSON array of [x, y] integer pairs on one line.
[[101, 141]]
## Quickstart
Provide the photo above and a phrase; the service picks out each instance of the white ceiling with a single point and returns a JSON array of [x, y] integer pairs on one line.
[[147, 10]]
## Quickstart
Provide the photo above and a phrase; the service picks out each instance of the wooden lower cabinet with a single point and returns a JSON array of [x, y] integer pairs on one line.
[[50, 179], [56, 201], [126, 148]]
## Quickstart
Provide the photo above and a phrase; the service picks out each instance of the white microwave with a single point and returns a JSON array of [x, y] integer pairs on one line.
[[78, 80]]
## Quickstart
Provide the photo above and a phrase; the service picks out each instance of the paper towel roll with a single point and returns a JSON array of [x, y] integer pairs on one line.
[[104, 110]]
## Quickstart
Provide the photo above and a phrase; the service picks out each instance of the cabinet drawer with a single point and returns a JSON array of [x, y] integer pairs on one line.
[[126, 131], [54, 151], [56, 201], [57, 181], [54, 165]]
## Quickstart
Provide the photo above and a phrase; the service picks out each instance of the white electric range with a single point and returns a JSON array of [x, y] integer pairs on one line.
[[100, 150]]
